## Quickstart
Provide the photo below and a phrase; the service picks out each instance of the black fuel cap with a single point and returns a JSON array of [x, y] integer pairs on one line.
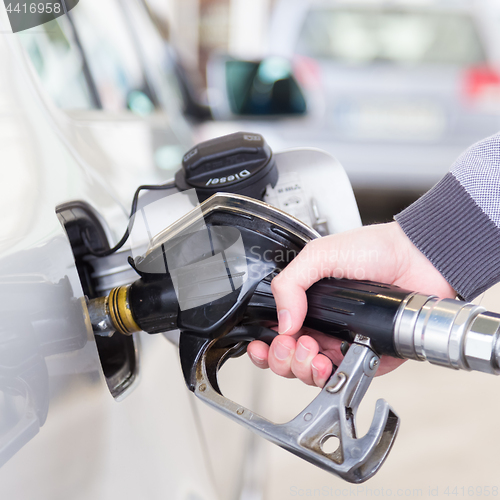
[[239, 163]]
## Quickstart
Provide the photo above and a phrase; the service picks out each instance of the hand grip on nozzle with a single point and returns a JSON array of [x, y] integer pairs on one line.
[[400, 323], [341, 308]]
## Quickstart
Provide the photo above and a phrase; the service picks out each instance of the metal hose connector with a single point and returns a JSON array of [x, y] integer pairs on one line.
[[120, 312], [112, 313], [448, 333]]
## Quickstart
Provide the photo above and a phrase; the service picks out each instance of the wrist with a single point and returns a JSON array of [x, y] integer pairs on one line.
[[417, 268]]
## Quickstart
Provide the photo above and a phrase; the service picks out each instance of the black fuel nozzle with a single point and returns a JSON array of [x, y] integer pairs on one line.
[[215, 288], [213, 273]]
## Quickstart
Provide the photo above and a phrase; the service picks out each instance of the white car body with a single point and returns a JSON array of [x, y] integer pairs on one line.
[[62, 434]]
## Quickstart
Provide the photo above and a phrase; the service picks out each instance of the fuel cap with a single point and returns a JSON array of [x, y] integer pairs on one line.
[[239, 163]]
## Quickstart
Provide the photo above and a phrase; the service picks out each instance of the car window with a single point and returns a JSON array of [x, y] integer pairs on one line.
[[58, 63], [111, 56], [393, 36], [158, 59]]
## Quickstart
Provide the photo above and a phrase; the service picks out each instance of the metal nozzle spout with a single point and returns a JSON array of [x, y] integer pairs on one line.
[[112, 313]]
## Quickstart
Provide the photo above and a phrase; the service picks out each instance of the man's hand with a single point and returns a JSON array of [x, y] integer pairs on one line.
[[380, 253]]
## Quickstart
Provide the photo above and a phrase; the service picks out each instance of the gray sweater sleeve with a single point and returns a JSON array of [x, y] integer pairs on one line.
[[456, 224]]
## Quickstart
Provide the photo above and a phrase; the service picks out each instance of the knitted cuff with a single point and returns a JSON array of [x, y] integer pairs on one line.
[[460, 240]]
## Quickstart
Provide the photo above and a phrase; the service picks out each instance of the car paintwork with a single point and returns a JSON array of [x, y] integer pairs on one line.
[[66, 436]]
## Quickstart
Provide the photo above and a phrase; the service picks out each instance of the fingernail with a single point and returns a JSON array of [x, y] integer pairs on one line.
[[281, 351], [302, 352], [314, 371], [284, 321], [256, 359]]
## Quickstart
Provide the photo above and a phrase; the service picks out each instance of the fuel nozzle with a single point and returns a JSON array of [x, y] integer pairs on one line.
[[219, 297], [447, 332]]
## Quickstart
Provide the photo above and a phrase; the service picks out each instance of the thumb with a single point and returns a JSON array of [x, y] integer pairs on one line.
[[319, 259]]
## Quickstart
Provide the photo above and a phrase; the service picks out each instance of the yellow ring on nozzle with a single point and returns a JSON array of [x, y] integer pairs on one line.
[[119, 310]]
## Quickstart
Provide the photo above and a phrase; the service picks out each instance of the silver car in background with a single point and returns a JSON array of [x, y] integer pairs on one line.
[[395, 90], [406, 86]]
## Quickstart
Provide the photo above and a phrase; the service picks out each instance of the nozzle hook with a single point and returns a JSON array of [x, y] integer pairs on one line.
[[331, 414]]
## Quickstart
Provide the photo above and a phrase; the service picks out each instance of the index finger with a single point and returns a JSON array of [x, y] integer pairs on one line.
[[313, 263]]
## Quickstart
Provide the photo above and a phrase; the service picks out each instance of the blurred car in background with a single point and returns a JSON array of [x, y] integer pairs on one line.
[[395, 90]]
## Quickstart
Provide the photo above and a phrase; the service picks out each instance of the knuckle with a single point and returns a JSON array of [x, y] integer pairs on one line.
[[278, 284], [280, 367], [311, 247]]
